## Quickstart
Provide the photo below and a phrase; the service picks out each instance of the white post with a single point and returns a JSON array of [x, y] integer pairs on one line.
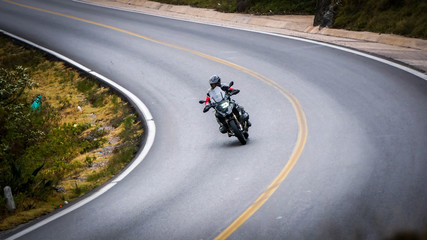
[[10, 202]]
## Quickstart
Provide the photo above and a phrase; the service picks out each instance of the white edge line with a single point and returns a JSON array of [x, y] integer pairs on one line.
[[136, 161], [379, 59]]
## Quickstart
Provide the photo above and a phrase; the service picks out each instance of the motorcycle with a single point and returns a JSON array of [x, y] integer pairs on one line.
[[236, 118]]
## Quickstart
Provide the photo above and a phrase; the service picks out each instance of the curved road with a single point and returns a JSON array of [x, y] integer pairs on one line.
[[362, 171]]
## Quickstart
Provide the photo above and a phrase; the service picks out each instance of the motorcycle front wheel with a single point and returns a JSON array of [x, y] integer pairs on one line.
[[237, 132]]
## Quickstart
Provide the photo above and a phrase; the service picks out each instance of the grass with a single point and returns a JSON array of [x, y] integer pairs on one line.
[[405, 17], [76, 150]]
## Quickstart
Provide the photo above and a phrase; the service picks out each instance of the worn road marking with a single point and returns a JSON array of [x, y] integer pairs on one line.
[[302, 122]]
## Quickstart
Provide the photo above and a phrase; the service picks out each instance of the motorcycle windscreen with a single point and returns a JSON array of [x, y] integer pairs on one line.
[[216, 95]]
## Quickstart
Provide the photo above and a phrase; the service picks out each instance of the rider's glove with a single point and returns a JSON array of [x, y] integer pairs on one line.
[[207, 107], [235, 91]]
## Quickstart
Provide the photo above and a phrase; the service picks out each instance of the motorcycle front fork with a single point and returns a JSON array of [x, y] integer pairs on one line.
[[239, 124]]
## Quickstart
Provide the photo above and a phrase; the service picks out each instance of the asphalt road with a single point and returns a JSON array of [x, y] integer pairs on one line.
[[362, 171]]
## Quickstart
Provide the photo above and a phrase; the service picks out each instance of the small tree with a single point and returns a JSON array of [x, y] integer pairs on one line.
[[13, 84], [19, 128]]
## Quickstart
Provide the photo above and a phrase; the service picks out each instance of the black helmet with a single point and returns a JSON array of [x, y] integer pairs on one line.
[[215, 79]]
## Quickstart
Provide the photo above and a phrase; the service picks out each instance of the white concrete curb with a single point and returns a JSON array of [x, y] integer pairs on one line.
[[150, 135]]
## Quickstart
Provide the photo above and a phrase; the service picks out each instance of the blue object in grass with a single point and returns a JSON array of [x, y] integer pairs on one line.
[[37, 104]]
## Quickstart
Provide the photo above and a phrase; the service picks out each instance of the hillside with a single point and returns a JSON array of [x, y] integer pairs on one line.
[[401, 17]]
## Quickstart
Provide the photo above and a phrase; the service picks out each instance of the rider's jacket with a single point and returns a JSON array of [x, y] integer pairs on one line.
[[216, 94]]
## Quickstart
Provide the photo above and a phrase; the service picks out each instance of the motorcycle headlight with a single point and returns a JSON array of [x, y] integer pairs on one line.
[[225, 104]]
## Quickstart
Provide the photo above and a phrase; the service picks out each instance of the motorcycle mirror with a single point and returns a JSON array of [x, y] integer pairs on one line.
[[231, 84], [202, 101]]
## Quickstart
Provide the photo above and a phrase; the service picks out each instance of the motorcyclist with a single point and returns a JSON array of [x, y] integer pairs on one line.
[[215, 81]]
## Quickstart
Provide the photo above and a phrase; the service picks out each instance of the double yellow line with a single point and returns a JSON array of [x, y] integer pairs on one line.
[[302, 122]]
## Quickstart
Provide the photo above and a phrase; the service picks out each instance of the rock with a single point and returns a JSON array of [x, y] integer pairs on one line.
[[242, 5], [108, 150], [113, 140], [325, 13], [99, 165], [59, 189], [328, 18]]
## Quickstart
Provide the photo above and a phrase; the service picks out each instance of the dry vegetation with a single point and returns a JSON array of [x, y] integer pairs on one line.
[[77, 149]]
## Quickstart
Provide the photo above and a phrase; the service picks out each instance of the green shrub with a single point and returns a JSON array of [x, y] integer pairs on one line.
[[402, 17], [93, 92], [20, 128], [89, 160], [85, 85], [27, 59], [282, 7], [129, 128], [79, 190], [116, 104]]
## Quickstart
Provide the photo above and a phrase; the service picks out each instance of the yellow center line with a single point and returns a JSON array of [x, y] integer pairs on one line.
[[302, 122]]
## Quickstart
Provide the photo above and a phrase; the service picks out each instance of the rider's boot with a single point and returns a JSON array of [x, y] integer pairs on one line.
[[222, 127], [246, 117]]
